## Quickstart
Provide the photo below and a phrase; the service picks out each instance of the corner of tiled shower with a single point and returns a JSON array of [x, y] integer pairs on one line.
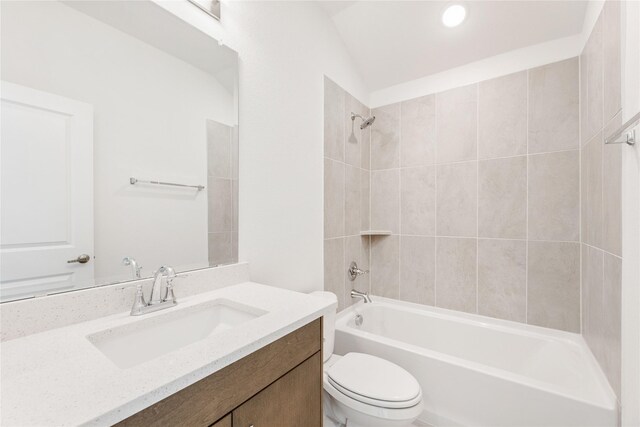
[[516, 217], [601, 184]]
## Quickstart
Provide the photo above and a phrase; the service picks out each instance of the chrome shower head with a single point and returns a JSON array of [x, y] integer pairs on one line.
[[366, 121]]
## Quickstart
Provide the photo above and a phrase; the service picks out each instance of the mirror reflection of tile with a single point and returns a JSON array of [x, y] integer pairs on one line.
[[222, 192]]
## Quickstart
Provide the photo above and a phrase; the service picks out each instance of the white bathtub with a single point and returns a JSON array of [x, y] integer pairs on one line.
[[478, 371]]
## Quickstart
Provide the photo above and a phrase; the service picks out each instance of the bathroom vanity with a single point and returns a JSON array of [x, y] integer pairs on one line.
[[278, 385], [241, 355]]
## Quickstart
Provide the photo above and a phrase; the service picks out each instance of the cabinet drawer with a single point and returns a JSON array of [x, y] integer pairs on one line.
[[211, 398], [292, 401]]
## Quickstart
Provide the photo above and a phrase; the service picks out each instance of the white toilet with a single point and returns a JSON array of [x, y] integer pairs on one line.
[[361, 390]]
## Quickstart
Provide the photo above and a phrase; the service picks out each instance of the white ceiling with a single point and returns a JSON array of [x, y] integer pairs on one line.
[[398, 41]]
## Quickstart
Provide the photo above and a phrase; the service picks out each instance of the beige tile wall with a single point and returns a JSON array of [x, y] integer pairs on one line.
[[347, 189], [222, 193], [601, 192], [480, 186]]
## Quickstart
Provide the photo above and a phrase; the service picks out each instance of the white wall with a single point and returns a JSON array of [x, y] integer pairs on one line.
[[285, 49], [630, 221], [150, 111]]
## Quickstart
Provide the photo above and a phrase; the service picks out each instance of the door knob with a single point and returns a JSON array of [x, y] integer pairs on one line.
[[82, 259]]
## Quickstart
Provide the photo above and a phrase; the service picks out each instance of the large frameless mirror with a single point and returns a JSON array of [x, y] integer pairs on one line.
[[119, 145]]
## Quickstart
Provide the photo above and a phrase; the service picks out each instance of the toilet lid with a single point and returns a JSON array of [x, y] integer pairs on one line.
[[373, 380]]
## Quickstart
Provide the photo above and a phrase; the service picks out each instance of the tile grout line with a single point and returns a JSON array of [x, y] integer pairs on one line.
[[601, 144], [359, 180], [480, 160], [399, 194], [603, 251], [233, 196], [370, 250], [344, 199], [477, 196], [526, 231], [367, 266], [435, 209], [580, 184], [495, 238]]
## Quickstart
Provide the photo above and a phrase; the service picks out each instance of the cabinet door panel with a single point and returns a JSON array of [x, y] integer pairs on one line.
[[292, 401]]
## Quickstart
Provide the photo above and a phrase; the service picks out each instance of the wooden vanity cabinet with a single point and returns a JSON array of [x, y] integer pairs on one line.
[[279, 385]]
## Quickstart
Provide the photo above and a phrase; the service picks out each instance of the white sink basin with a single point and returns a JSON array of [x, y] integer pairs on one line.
[[146, 339]]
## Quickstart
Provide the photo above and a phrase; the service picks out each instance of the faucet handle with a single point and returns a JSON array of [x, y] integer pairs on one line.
[[170, 296], [138, 303], [170, 279], [354, 271]]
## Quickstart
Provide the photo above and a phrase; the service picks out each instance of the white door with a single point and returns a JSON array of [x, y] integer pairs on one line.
[[46, 198]]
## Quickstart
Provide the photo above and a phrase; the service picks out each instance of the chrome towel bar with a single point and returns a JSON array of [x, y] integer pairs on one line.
[[134, 181], [625, 133]]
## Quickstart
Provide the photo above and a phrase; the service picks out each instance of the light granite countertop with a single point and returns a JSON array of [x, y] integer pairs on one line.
[[59, 377]]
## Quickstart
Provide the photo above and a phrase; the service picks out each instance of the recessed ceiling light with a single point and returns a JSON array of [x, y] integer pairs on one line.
[[454, 15]]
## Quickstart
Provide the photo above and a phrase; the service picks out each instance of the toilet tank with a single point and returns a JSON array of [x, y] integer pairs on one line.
[[329, 323]]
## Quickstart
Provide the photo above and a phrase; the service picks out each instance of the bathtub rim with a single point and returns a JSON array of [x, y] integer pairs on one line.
[[607, 401]]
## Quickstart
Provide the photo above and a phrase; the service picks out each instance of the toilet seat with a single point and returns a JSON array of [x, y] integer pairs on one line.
[[374, 381], [344, 407]]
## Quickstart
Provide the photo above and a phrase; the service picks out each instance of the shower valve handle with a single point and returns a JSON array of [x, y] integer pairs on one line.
[[354, 271]]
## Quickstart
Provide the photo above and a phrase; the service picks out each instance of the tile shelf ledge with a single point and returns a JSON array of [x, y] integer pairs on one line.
[[375, 233]]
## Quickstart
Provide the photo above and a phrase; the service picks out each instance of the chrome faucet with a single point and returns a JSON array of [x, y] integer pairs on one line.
[[156, 296], [364, 295], [160, 297], [135, 268], [354, 271]]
